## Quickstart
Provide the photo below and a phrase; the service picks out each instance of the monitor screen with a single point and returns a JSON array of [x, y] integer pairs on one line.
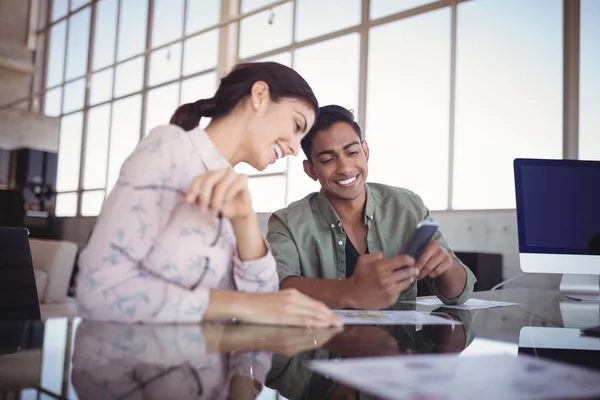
[[558, 206]]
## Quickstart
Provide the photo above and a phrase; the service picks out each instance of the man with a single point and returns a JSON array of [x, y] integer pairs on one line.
[[343, 246]]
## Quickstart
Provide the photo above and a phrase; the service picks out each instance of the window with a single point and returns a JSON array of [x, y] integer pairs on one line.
[[251, 5], [314, 18], [331, 69], [165, 64], [101, 86], [162, 103], [75, 4], [132, 28], [267, 200], [589, 85], [201, 52], [129, 77], [91, 203], [105, 34], [69, 150], [59, 9], [66, 205], [167, 21], [200, 87], [508, 95], [96, 147], [124, 134], [202, 14], [383, 8], [77, 44], [74, 96], [408, 105], [266, 31], [284, 58], [53, 102], [56, 54]]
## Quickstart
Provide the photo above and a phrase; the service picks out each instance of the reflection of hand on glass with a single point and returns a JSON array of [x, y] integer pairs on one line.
[[286, 341], [363, 341]]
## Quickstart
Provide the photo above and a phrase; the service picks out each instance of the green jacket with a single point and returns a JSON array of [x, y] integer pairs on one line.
[[308, 240]]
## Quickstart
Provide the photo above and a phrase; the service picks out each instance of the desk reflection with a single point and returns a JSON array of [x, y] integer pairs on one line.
[[290, 377], [208, 361]]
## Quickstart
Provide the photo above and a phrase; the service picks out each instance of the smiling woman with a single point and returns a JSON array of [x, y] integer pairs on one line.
[[177, 239]]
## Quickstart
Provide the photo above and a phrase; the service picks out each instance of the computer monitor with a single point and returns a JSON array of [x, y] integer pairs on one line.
[[558, 219]]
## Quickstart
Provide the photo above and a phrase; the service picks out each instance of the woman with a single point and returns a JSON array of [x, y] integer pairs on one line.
[[177, 239]]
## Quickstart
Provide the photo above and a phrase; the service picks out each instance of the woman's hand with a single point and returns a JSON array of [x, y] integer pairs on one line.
[[287, 307], [222, 191]]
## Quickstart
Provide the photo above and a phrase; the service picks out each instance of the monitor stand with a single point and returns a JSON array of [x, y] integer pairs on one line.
[[581, 287]]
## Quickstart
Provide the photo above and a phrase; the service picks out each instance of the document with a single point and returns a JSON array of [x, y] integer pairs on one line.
[[448, 377], [358, 317], [471, 304]]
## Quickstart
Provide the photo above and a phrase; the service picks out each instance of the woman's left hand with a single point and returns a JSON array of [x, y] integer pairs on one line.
[[222, 191]]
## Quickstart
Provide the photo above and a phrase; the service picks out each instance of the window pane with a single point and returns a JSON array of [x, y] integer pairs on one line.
[[508, 95], [268, 193], [202, 14], [101, 86], [266, 31], [334, 82], [589, 86], [129, 77], [96, 147], [69, 152], [75, 4], [66, 205], [52, 102], [132, 28], [331, 69], [200, 87], [167, 21], [91, 203], [201, 52], [56, 54], [165, 64], [408, 116], [105, 33], [382, 8], [314, 18], [250, 5], [162, 103], [125, 134], [77, 46], [59, 9], [284, 58], [74, 96]]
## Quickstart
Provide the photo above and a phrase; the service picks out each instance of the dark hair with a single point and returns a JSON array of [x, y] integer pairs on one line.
[[328, 116], [282, 81]]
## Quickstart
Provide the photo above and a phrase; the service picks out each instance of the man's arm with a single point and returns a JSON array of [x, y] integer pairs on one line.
[[452, 282]]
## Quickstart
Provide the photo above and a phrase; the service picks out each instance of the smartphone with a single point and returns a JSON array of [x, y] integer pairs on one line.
[[425, 232]]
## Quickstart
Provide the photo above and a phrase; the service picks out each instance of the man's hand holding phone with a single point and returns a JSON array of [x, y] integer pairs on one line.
[[434, 261], [378, 282]]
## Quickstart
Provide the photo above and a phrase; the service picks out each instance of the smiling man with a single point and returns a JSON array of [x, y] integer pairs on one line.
[[343, 245]]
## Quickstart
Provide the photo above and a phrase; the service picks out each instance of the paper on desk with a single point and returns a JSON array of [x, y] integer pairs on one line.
[[358, 317], [471, 304], [450, 377]]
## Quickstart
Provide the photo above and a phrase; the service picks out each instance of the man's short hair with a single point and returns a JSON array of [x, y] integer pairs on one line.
[[328, 115]]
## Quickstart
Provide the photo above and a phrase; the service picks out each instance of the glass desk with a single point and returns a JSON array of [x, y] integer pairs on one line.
[[73, 358]]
